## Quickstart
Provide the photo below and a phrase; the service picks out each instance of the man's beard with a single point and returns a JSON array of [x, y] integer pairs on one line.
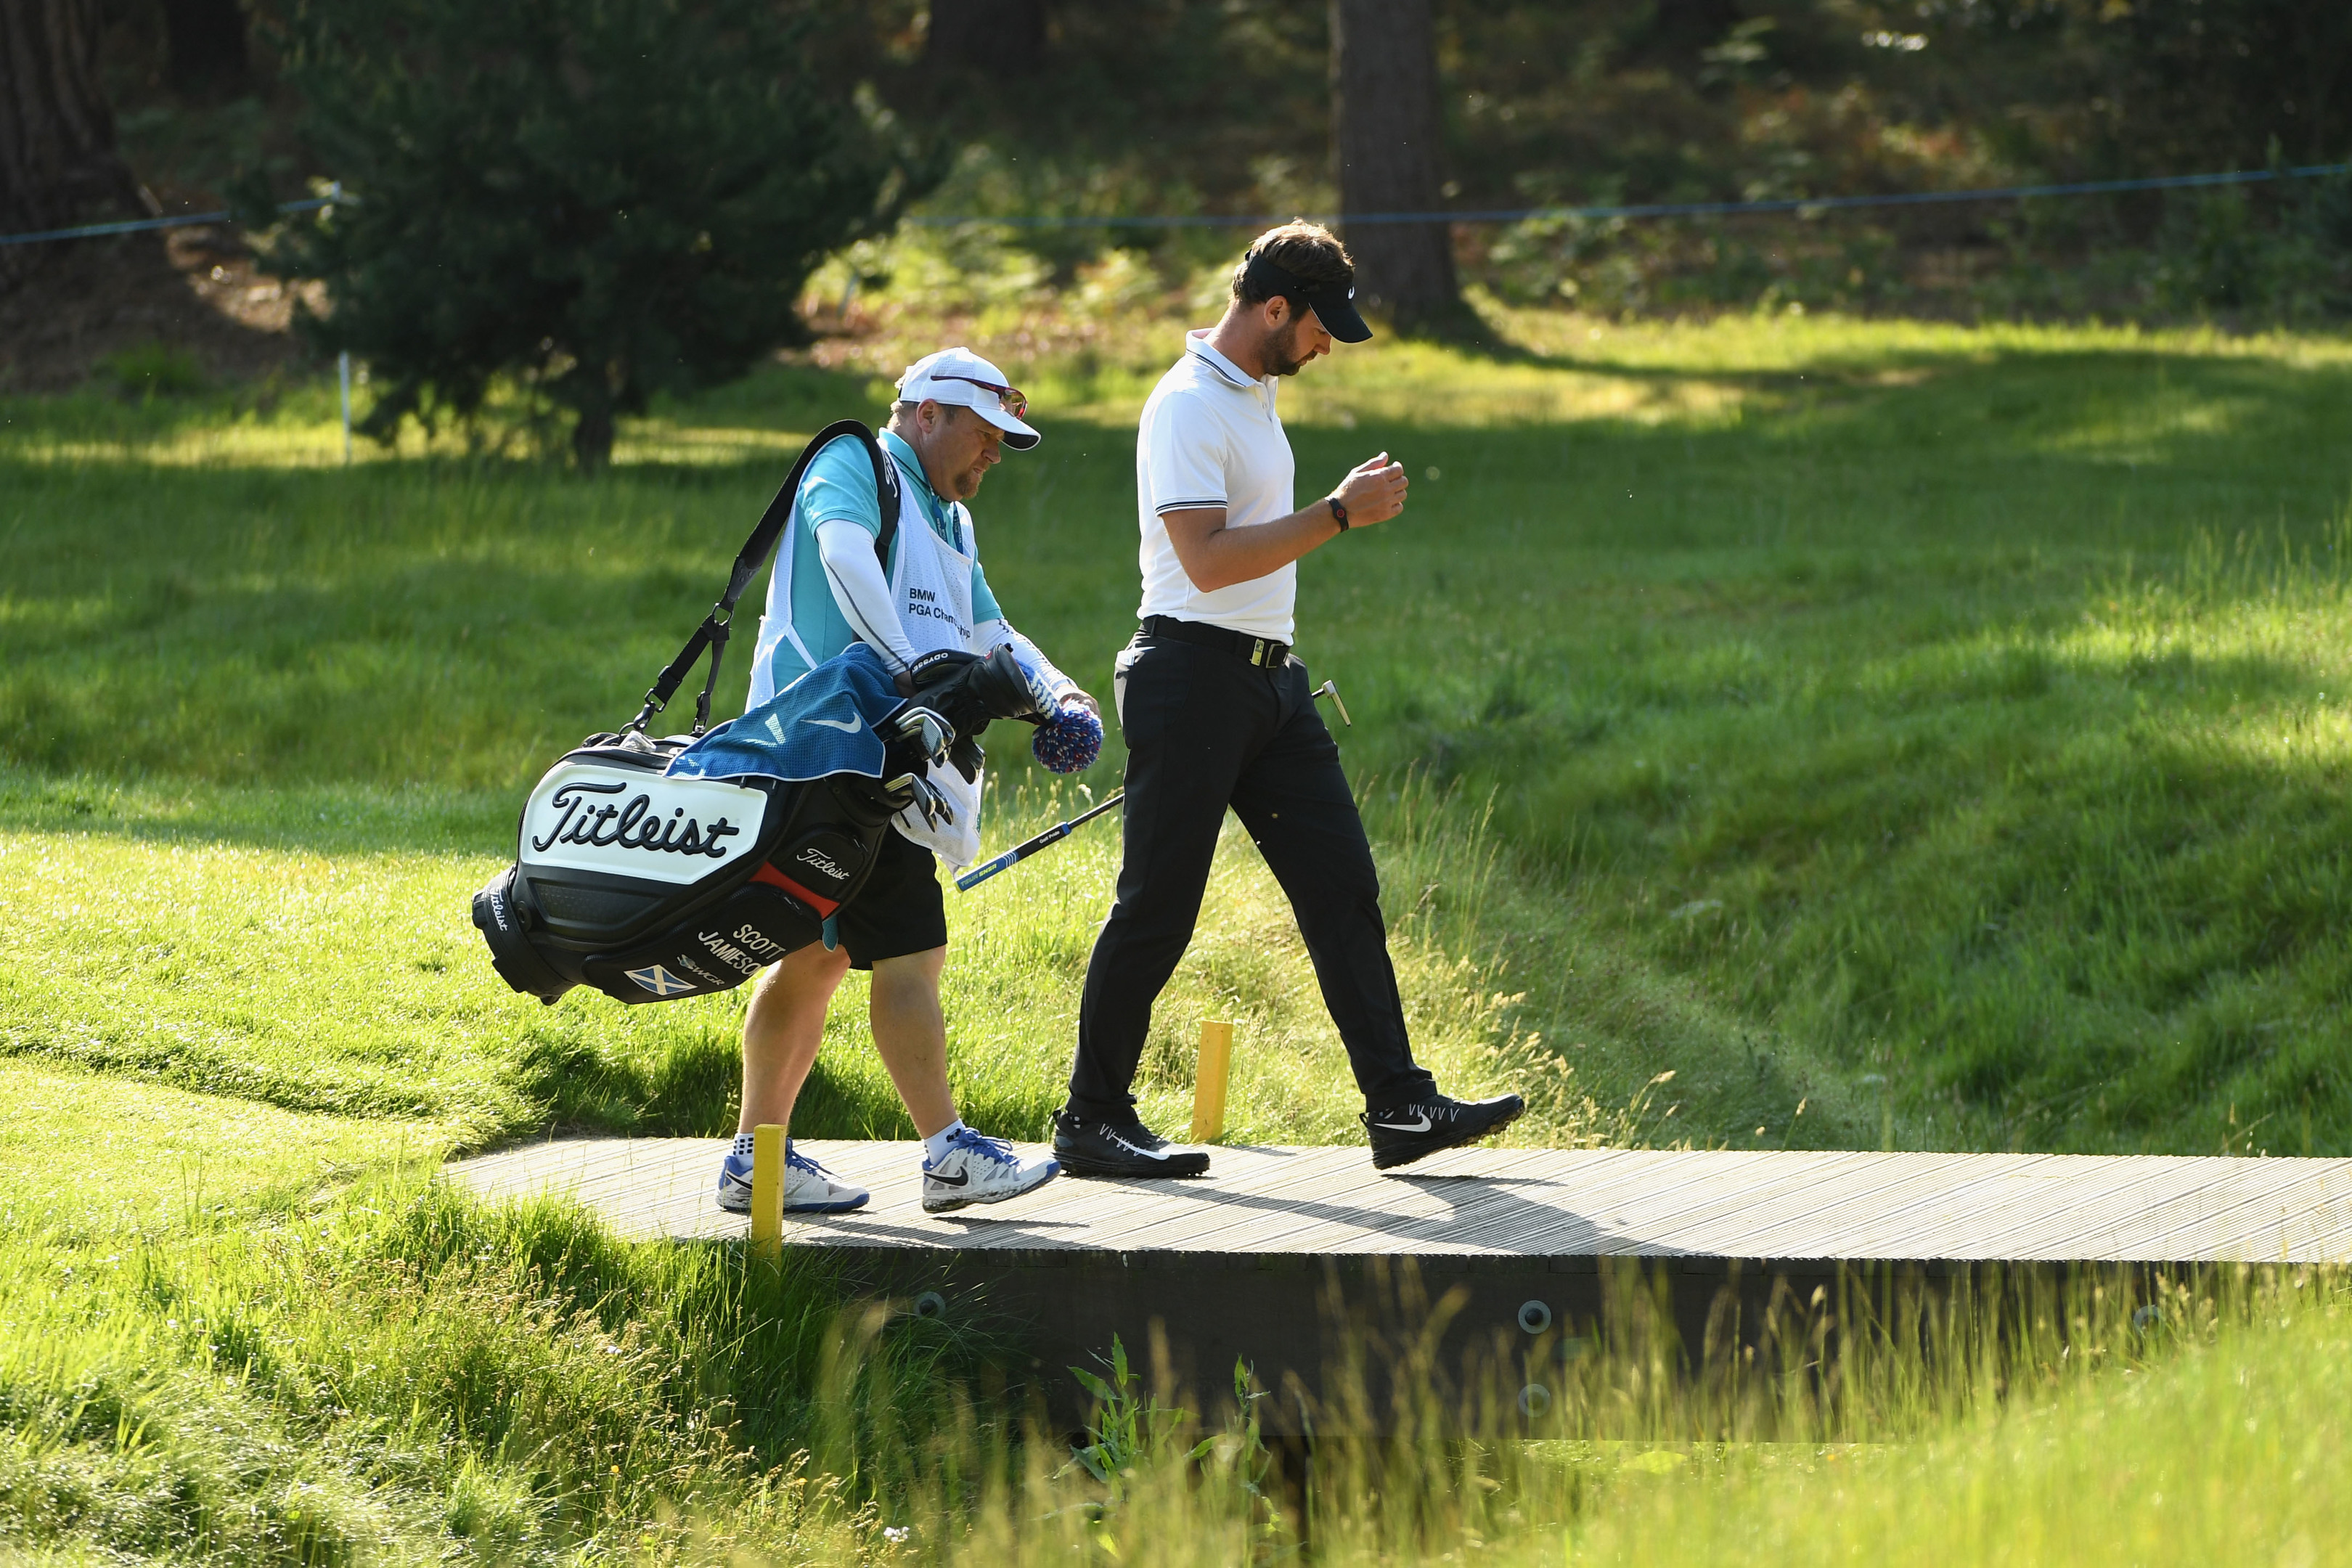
[[1282, 356]]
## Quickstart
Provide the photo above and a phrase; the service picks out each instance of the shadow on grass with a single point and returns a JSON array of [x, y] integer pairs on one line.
[[778, 397], [321, 819]]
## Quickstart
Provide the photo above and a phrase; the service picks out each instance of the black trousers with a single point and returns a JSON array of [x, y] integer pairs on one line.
[[1205, 729]]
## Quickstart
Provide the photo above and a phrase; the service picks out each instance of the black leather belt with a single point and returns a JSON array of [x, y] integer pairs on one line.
[[1261, 651]]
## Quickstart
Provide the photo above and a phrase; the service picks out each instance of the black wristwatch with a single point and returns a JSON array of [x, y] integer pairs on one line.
[[1339, 512]]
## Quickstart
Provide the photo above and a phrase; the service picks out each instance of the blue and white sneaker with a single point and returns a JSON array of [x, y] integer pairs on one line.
[[978, 1168], [809, 1187]]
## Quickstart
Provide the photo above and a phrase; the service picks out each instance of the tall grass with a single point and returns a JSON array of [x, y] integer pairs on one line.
[[2025, 1419], [408, 1374]]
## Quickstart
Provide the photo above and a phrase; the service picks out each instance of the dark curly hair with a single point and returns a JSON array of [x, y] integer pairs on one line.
[[1307, 251]]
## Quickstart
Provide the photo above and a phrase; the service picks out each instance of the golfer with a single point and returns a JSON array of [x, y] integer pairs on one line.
[[1217, 713], [953, 415]]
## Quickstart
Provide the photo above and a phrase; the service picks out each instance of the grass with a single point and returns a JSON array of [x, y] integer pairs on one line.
[[1779, 731], [237, 1333], [205, 971], [1930, 727]]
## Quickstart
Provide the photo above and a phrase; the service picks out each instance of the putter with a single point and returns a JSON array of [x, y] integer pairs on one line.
[[1020, 852], [1331, 689]]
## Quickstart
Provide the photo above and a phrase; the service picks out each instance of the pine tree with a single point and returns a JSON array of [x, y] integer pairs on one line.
[[599, 198]]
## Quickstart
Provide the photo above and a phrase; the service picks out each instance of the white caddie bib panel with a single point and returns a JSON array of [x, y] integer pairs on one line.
[[776, 622], [930, 584]]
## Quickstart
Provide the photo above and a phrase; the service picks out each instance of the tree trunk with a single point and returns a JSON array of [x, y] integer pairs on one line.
[[58, 163], [205, 46], [591, 435], [995, 38], [1679, 30], [1385, 134]]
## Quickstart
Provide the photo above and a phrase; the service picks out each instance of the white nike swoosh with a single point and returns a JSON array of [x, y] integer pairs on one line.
[[1421, 1126], [849, 726]]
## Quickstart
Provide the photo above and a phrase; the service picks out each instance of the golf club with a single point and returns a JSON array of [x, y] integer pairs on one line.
[[1022, 851]]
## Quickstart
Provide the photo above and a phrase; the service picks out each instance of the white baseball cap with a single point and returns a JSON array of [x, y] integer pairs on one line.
[[961, 377]]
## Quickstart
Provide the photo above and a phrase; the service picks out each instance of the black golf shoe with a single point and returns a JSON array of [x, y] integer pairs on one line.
[[1090, 1146], [1404, 1134]]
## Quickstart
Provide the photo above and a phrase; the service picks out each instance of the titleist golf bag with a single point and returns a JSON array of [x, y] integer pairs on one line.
[[646, 886]]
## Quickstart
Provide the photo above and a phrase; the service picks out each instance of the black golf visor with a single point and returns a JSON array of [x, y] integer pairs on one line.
[[1334, 304]]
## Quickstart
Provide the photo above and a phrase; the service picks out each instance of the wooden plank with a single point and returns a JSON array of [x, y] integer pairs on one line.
[[1131, 1217], [2234, 1215], [1897, 1221], [1810, 1211], [896, 1216], [1718, 1201], [1757, 1204], [2072, 1206], [1489, 1211], [1391, 1209], [1287, 1211], [1648, 1211]]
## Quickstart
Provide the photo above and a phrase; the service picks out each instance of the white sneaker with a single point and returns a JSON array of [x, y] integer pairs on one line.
[[809, 1187], [977, 1169]]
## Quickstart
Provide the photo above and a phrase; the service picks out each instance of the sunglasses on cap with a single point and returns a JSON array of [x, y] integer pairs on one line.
[[1012, 399]]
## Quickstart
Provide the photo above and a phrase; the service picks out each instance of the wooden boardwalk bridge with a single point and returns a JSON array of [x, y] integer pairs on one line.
[[1268, 1256]]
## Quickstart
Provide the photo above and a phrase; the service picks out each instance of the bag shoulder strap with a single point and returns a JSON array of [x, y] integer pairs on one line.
[[713, 631]]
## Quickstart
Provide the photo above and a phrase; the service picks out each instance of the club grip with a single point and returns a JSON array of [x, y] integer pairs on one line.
[[1020, 852], [979, 874]]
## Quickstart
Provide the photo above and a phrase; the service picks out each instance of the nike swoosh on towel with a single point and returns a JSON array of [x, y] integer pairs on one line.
[[848, 726], [1422, 1126]]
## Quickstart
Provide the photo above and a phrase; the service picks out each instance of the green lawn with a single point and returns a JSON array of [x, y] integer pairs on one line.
[[1931, 727], [1777, 732]]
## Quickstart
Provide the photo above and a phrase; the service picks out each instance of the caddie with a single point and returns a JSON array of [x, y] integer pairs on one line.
[[1218, 713], [922, 594]]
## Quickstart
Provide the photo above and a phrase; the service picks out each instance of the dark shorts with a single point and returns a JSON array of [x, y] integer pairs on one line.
[[900, 910]]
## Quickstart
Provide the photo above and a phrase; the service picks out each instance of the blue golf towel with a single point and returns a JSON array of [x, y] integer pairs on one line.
[[821, 723]]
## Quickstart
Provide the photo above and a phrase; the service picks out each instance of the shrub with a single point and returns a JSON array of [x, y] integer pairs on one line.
[[603, 200], [149, 370]]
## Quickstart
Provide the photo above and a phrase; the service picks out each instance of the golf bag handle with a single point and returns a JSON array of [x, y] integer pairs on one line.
[[712, 633]]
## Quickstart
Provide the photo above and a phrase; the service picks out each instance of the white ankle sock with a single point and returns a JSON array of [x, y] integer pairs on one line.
[[937, 1145], [742, 1145]]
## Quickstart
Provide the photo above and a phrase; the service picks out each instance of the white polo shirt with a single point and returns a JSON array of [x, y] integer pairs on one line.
[[1210, 436]]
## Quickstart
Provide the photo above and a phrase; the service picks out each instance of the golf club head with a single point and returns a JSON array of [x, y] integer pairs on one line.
[[935, 805], [925, 730]]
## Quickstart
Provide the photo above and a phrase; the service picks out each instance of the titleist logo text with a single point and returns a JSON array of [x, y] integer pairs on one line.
[[631, 826], [818, 860]]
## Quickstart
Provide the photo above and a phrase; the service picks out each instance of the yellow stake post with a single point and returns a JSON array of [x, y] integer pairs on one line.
[[768, 1189], [1209, 1081]]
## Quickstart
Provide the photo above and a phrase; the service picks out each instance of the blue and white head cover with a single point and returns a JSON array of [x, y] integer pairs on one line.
[[1069, 742]]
